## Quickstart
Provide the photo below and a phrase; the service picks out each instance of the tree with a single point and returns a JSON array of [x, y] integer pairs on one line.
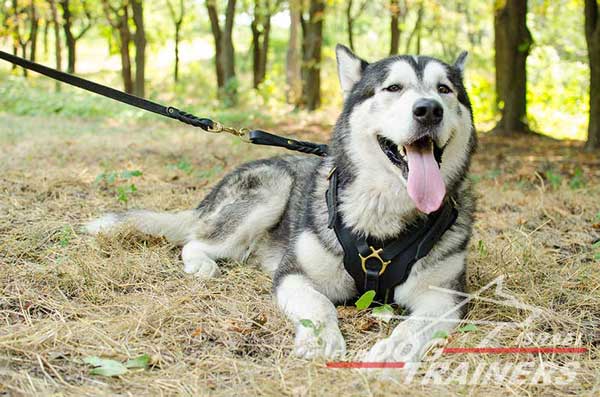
[[416, 31], [261, 30], [117, 15], [512, 43], [57, 45], [351, 18], [139, 39], [592, 35], [293, 71], [224, 50], [69, 15], [312, 41], [177, 18], [398, 13]]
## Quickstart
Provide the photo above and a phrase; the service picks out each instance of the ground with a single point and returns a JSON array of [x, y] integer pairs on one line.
[[65, 296]]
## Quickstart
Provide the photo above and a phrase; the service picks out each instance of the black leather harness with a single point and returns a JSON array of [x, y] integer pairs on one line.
[[381, 265]]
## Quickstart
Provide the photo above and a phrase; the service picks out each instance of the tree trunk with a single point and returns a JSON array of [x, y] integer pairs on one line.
[[118, 18], [124, 41], [512, 42], [140, 42], [33, 33], [261, 30], [15, 40], [228, 54], [292, 74], [57, 45], [46, 35], [216, 31], [592, 34], [177, 40], [69, 38], [395, 27], [177, 18], [416, 31], [312, 30], [350, 22]]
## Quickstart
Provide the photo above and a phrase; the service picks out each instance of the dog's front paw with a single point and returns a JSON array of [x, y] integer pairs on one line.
[[392, 350], [314, 341]]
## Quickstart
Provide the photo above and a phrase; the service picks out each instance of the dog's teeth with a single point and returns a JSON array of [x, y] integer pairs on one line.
[[403, 151]]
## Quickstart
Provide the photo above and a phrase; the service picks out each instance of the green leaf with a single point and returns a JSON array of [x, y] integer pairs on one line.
[[105, 367], [596, 244], [142, 361], [307, 323], [130, 174], [597, 256], [365, 300], [440, 335], [384, 312], [468, 328]]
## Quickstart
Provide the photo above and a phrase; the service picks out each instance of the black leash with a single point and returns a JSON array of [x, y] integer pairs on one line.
[[257, 137]]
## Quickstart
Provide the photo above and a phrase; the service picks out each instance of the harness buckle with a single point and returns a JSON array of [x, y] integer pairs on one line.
[[375, 253]]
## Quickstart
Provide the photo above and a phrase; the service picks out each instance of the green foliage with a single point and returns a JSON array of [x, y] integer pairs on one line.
[[554, 178], [365, 300], [482, 249], [577, 180], [107, 367], [557, 70], [468, 328], [317, 328], [596, 248], [384, 312], [440, 335], [118, 182], [66, 234]]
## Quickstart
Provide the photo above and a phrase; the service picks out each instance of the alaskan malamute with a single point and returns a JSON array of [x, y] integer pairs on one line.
[[400, 152]]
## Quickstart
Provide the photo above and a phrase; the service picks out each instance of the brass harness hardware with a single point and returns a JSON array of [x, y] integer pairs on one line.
[[375, 253], [242, 133]]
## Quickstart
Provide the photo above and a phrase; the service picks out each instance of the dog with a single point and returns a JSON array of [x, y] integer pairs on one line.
[[398, 114]]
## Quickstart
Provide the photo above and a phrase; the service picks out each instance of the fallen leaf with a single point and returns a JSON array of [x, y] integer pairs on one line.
[[105, 367], [197, 332], [142, 361]]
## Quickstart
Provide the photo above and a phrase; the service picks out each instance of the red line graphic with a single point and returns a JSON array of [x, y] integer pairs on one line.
[[362, 364], [513, 350]]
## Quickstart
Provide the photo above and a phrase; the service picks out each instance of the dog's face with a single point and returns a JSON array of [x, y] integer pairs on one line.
[[409, 116]]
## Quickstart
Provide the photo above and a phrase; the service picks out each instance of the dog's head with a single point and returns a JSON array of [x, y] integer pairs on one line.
[[408, 116]]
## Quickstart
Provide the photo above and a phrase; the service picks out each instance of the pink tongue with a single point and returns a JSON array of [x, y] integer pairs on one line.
[[425, 185]]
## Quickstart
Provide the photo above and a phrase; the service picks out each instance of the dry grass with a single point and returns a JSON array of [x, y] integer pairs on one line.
[[65, 295]]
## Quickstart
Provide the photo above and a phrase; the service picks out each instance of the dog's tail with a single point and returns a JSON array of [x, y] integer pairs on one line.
[[174, 226]]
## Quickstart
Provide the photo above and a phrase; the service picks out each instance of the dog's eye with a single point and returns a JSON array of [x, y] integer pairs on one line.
[[444, 89], [393, 88]]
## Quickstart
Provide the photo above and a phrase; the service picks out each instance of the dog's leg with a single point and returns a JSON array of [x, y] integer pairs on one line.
[[436, 313], [313, 315], [198, 259], [432, 311]]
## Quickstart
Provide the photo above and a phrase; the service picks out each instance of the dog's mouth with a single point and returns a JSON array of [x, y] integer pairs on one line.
[[419, 162]]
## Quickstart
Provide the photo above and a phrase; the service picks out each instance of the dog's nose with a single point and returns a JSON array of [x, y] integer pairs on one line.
[[428, 111]]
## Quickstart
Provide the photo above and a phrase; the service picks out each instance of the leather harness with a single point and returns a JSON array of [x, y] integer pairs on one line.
[[381, 265]]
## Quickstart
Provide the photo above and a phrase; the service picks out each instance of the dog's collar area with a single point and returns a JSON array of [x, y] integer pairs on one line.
[[381, 265]]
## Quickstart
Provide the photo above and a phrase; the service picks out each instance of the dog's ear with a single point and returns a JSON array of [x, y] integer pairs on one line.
[[350, 68], [460, 62]]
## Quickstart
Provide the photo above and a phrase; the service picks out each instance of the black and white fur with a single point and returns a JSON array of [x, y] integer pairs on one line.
[[274, 210]]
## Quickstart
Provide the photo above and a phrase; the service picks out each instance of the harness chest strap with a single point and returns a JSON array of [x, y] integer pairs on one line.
[[381, 265]]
